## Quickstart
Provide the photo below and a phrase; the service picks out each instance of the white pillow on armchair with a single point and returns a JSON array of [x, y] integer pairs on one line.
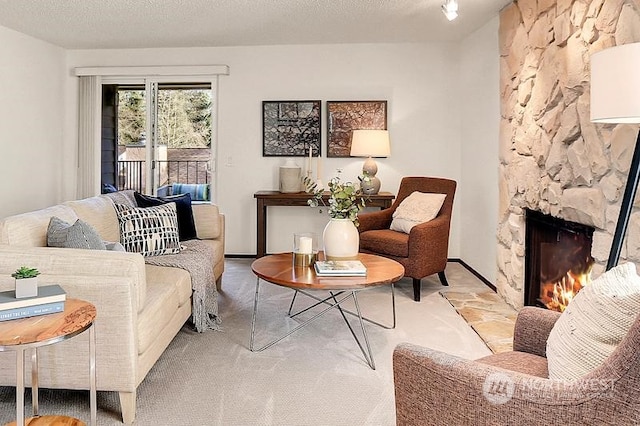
[[418, 207]]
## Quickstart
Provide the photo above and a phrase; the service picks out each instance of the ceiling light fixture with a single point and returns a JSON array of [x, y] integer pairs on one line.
[[450, 9]]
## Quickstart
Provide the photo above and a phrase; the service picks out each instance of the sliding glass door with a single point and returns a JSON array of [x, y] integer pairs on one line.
[[164, 136]]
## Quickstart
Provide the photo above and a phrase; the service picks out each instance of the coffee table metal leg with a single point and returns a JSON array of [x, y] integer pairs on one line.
[[93, 405], [295, 293], [34, 381], [253, 316], [307, 322], [364, 332], [367, 356], [20, 387]]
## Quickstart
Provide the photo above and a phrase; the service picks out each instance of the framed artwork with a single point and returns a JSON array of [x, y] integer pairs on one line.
[[289, 128], [345, 116]]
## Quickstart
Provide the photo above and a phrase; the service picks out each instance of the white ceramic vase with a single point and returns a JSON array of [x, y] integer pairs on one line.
[[341, 240]]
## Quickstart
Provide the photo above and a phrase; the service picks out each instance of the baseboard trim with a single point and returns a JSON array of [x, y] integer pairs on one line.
[[239, 256], [474, 272]]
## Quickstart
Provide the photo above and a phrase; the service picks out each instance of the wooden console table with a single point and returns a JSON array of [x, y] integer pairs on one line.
[[264, 199]]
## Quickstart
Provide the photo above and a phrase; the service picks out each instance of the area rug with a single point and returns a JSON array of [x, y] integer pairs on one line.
[[487, 314]]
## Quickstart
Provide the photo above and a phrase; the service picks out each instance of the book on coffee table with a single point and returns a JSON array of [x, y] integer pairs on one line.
[[46, 294], [340, 268]]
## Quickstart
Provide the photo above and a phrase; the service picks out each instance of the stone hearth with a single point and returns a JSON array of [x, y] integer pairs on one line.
[[552, 158]]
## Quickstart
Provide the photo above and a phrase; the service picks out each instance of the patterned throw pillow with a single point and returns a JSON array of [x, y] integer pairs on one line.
[[594, 323], [150, 231], [186, 223], [79, 235]]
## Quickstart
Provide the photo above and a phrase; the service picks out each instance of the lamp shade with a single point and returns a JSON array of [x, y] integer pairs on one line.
[[615, 85], [370, 143]]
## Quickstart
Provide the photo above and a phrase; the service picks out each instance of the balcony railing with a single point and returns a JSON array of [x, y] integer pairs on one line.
[[132, 173]]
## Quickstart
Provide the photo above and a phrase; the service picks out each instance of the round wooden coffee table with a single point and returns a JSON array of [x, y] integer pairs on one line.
[[31, 333], [279, 269]]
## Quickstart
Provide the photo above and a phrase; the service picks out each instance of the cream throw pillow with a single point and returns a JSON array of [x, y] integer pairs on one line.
[[419, 207], [594, 323]]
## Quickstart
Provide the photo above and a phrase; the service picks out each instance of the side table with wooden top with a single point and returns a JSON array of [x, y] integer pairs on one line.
[[19, 335], [265, 199]]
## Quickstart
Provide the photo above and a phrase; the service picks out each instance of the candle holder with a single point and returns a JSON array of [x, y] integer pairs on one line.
[[305, 249]]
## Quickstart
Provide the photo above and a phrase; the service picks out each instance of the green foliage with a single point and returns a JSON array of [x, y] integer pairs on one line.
[[25, 272], [184, 117], [345, 199]]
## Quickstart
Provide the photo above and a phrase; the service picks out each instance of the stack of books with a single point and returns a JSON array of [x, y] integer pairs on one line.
[[50, 299], [340, 268]]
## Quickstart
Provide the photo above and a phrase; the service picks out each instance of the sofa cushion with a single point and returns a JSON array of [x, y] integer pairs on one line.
[[30, 229], [198, 191], [150, 231], [594, 323], [208, 221], [418, 207], [385, 241], [164, 275], [99, 213], [77, 235], [186, 225]]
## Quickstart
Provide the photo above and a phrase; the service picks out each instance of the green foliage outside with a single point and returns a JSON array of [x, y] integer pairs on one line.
[[184, 117]]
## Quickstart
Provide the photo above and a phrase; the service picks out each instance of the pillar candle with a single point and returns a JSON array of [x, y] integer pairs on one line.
[[319, 168], [310, 155], [306, 245]]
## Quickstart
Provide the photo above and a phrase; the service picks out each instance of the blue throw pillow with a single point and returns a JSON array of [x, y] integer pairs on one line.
[[186, 223], [198, 191]]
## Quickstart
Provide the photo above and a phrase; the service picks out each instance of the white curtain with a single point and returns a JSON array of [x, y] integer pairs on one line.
[[89, 124]]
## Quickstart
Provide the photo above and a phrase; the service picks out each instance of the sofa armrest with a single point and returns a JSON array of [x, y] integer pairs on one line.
[[433, 233], [375, 220], [532, 329], [435, 388], [209, 221], [115, 282]]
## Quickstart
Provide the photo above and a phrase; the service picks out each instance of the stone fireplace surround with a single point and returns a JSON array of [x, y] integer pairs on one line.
[[552, 158]]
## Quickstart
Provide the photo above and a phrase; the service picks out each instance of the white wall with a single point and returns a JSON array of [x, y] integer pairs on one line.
[[480, 121], [417, 80], [31, 123]]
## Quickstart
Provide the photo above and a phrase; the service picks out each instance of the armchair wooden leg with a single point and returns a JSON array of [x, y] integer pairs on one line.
[[416, 289], [443, 279]]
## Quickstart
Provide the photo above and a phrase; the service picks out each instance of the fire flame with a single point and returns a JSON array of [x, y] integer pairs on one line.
[[557, 295]]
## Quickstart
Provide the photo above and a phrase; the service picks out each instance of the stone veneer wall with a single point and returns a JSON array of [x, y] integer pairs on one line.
[[552, 158]]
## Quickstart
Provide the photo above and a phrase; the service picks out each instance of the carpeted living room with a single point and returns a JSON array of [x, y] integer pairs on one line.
[[525, 109]]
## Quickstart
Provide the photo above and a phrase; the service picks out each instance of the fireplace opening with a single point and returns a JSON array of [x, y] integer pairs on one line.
[[558, 260]]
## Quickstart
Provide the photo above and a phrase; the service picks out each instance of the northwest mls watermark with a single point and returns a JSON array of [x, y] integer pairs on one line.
[[498, 388]]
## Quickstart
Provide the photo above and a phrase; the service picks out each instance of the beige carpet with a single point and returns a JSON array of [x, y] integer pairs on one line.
[[317, 376]]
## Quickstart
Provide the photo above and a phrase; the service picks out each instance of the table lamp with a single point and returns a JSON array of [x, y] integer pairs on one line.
[[615, 98], [370, 143]]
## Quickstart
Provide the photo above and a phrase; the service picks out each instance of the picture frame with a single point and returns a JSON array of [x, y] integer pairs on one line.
[[345, 116], [290, 128]]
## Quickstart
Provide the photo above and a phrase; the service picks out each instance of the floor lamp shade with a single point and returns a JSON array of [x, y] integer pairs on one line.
[[615, 98], [370, 143], [615, 85]]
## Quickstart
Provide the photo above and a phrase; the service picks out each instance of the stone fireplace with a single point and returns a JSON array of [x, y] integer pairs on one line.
[[552, 159], [558, 260]]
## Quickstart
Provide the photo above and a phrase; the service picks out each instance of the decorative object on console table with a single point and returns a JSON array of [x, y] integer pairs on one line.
[[340, 237], [290, 177], [26, 282], [305, 248], [370, 143], [345, 116], [615, 89], [289, 128]]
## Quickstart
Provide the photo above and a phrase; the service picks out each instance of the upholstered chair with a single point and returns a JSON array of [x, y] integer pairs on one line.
[[513, 388], [424, 250]]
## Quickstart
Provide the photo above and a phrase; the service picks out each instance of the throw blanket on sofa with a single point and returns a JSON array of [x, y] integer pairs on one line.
[[195, 257]]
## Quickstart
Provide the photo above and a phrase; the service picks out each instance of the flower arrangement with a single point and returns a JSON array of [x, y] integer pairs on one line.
[[345, 199], [25, 272]]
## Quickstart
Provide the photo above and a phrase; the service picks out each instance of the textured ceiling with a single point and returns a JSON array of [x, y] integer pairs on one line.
[[91, 24]]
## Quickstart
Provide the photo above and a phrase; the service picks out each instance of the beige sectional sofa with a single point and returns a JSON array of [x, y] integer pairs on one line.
[[140, 307]]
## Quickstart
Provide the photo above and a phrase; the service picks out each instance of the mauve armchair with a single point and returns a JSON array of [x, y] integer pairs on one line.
[[512, 388], [422, 252]]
